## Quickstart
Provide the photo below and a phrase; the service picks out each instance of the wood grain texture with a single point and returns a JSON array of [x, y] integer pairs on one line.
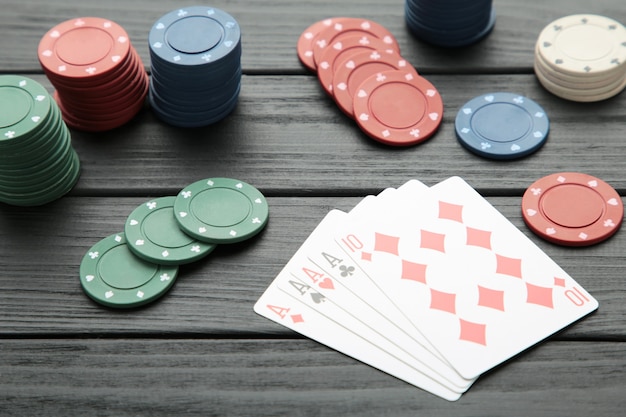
[[271, 29], [289, 138], [201, 350], [289, 378]]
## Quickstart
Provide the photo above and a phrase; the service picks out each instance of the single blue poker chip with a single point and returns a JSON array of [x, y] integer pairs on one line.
[[188, 119], [502, 125], [192, 74], [195, 35], [197, 99]]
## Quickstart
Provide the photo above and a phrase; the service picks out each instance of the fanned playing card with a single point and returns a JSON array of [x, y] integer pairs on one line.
[[472, 283], [281, 307], [317, 278], [431, 285]]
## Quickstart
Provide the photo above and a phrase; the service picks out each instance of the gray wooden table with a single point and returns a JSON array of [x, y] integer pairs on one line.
[[201, 350]]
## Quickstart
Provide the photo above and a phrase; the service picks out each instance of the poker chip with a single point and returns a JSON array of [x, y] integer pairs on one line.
[[138, 266], [502, 125], [195, 57], [341, 50], [153, 235], [221, 210], [37, 162], [346, 27], [304, 46], [96, 72], [582, 57], [582, 95], [450, 23], [345, 52], [113, 276], [573, 82], [572, 209], [398, 107], [478, 289], [355, 69]]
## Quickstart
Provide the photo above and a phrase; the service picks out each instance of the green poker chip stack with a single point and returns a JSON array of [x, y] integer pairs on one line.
[[37, 162], [140, 265]]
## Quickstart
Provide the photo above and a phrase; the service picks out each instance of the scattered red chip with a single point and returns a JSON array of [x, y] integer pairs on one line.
[[358, 62], [572, 209], [398, 107], [83, 47], [342, 48], [352, 71], [305, 41], [351, 26]]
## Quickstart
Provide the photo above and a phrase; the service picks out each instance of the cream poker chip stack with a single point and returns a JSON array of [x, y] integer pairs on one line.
[[582, 57]]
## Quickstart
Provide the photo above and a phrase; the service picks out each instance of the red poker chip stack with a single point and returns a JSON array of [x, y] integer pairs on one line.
[[99, 78], [358, 63]]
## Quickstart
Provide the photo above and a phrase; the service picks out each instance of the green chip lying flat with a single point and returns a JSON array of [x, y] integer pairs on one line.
[[153, 234], [221, 210], [111, 275]]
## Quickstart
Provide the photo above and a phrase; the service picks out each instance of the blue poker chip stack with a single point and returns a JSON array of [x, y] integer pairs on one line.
[[450, 23], [195, 57]]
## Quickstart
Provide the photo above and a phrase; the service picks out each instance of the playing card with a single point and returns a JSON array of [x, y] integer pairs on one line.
[[318, 263], [285, 308], [385, 207], [387, 198], [321, 264], [469, 280]]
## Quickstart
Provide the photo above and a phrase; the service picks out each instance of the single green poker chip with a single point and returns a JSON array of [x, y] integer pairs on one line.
[[111, 275], [153, 234], [221, 210]]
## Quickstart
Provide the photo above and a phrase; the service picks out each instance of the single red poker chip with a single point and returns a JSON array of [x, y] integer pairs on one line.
[[355, 69], [342, 48], [131, 65], [104, 92], [116, 73], [102, 122], [572, 209], [110, 103], [304, 46], [106, 99], [83, 47], [398, 107], [113, 111], [351, 26]]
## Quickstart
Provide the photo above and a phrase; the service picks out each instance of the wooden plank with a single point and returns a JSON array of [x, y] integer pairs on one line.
[[201, 349], [289, 377], [288, 137], [41, 249], [271, 29]]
